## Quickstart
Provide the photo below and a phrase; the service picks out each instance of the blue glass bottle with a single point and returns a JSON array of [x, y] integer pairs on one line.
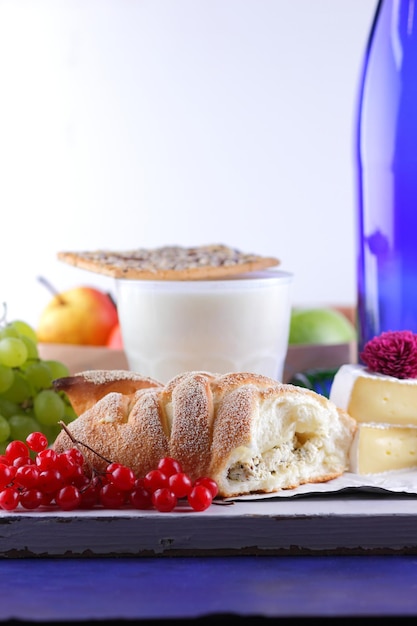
[[387, 174]]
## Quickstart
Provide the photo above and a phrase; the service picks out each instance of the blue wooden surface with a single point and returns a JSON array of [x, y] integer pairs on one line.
[[173, 588]]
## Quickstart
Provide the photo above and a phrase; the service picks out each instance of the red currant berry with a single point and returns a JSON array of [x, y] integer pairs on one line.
[[79, 478], [83, 481], [122, 477], [169, 466], [14, 449], [9, 498], [180, 484], [66, 465], [111, 497], [31, 498], [27, 476], [50, 480], [139, 498], [209, 483], [200, 498], [68, 498], [22, 460], [46, 498], [76, 455], [104, 478], [7, 473], [155, 479], [46, 459], [112, 466], [90, 493], [37, 441], [164, 500]]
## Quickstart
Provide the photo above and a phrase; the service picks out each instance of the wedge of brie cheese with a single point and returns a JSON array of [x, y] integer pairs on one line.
[[370, 397], [381, 448], [386, 411]]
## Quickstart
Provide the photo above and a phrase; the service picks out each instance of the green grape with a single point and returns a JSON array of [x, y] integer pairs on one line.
[[25, 330], [39, 375], [20, 390], [6, 377], [22, 425], [8, 331], [13, 351], [32, 348], [28, 401], [3, 446], [58, 369], [49, 407], [5, 429], [70, 414], [9, 408]]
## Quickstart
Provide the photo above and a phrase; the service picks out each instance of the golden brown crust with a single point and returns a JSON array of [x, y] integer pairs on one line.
[[250, 433], [239, 404], [192, 406], [170, 262], [84, 389], [117, 428]]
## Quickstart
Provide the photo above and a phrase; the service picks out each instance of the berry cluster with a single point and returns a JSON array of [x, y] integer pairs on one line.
[[33, 475]]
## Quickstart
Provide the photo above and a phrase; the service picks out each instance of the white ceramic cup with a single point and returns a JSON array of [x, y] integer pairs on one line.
[[237, 324]]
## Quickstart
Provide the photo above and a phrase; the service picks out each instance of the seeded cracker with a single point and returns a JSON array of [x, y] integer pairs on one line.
[[170, 262]]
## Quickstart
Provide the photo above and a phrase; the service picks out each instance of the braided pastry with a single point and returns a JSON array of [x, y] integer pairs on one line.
[[248, 432]]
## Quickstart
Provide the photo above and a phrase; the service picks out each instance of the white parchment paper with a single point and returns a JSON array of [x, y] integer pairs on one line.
[[404, 481]]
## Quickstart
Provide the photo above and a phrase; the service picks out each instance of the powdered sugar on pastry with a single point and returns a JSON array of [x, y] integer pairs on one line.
[[248, 432], [84, 389]]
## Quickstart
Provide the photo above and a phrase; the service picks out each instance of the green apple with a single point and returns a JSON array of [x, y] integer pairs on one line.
[[320, 326]]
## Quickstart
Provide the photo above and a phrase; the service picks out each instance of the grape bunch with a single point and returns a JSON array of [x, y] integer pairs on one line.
[[28, 401], [33, 475]]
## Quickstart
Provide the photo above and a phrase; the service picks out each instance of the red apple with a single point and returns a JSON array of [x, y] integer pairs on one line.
[[115, 340], [81, 316]]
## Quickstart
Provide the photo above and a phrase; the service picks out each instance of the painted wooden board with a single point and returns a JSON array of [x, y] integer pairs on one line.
[[340, 524]]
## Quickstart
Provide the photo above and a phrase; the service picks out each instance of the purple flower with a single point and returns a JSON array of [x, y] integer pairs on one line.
[[393, 353]]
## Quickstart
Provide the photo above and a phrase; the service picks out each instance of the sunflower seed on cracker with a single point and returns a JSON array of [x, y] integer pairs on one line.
[[170, 262]]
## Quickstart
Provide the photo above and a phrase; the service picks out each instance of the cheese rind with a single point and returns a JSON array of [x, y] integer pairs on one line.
[[377, 449], [374, 398]]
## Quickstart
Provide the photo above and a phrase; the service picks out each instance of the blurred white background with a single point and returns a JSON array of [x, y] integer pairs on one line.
[[139, 123]]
